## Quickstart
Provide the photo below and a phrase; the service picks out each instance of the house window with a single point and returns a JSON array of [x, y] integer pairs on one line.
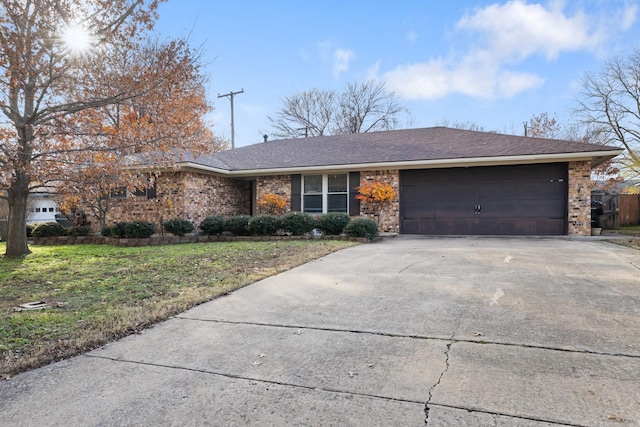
[[51, 209], [337, 193], [325, 193], [148, 192], [312, 194], [118, 193]]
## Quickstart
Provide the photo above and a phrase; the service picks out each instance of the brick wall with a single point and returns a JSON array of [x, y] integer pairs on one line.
[[194, 196], [206, 195], [389, 215], [189, 195], [579, 198], [277, 184]]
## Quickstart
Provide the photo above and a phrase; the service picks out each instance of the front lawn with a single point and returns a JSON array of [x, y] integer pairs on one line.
[[98, 294]]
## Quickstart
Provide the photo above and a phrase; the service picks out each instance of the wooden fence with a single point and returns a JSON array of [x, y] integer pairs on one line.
[[618, 209], [629, 205]]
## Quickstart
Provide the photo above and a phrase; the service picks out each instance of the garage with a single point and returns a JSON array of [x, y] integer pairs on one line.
[[486, 200]]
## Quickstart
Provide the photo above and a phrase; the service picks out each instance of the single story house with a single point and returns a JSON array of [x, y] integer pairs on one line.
[[448, 181]]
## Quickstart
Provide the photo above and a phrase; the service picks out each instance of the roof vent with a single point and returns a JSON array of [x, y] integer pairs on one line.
[[265, 137]]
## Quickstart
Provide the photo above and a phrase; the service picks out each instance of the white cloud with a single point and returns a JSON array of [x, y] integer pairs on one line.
[[504, 35], [439, 78], [628, 16], [516, 30], [341, 60], [510, 83]]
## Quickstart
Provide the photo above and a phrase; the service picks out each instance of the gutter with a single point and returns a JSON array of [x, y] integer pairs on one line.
[[596, 157]]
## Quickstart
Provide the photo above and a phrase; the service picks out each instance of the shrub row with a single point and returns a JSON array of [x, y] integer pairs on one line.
[[51, 229], [293, 223]]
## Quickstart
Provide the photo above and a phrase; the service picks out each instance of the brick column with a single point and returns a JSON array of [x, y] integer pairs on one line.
[[390, 212], [580, 198]]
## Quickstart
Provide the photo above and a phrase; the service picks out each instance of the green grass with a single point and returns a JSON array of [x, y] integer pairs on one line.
[[101, 293], [632, 230]]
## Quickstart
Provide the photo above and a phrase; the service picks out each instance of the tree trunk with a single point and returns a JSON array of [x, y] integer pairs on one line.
[[17, 224]]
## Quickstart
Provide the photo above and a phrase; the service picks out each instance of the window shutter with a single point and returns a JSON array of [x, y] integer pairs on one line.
[[151, 192], [354, 204], [296, 193]]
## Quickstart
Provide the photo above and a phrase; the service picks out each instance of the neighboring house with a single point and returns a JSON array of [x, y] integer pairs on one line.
[[448, 181], [41, 208]]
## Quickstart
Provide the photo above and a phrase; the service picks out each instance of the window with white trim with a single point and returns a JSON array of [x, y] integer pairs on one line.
[[325, 193]]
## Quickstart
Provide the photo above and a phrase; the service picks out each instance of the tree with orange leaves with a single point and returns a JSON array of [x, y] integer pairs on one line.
[[170, 116], [85, 95], [272, 204], [376, 193]]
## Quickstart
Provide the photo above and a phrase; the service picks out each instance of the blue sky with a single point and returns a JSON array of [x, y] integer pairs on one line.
[[494, 63]]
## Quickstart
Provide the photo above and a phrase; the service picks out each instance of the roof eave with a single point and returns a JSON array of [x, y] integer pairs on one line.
[[201, 167], [596, 157]]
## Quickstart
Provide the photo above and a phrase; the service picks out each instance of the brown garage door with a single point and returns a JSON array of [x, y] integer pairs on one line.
[[503, 200]]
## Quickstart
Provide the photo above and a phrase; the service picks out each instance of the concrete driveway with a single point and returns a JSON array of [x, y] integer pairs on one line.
[[405, 332]]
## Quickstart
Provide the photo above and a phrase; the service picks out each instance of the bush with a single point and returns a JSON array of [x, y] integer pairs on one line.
[[212, 225], [264, 225], [80, 230], [138, 229], [178, 226], [118, 230], [48, 229], [297, 223], [362, 227], [238, 225], [135, 229], [30, 230], [332, 223]]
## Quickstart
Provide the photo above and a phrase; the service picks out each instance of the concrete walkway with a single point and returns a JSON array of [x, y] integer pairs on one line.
[[405, 332]]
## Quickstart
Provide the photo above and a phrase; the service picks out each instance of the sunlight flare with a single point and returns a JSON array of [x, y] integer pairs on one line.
[[77, 40]]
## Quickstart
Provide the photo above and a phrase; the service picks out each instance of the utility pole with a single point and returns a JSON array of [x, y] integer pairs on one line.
[[230, 95], [306, 130]]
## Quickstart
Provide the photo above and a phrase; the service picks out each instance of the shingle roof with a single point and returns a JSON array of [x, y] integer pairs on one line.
[[409, 145]]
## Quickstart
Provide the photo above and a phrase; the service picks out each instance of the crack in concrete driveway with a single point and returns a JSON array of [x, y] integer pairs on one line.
[[363, 337]]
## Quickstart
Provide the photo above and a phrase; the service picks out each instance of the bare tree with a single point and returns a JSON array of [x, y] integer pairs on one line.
[[367, 107], [307, 113], [456, 124], [363, 107], [610, 103], [544, 126]]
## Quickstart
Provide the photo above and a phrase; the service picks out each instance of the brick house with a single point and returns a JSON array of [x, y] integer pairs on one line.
[[448, 181]]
